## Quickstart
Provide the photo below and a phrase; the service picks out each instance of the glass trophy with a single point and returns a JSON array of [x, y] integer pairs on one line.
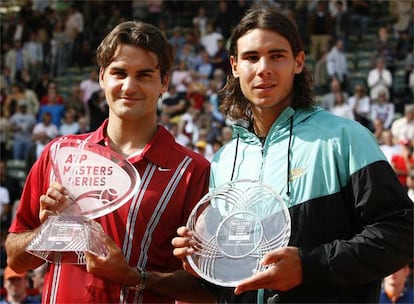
[[234, 226], [99, 181]]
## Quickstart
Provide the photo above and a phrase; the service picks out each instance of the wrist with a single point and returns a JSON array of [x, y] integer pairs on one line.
[[142, 280]]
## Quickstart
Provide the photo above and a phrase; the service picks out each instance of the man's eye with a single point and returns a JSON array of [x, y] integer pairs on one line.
[[252, 58], [144, 75], [277, 56], [119, 73]]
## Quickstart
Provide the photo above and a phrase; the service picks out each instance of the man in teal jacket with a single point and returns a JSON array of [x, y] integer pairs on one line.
[[351, 221]]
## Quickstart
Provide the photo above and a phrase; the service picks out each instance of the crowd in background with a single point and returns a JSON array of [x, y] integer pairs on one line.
[[360, 53]]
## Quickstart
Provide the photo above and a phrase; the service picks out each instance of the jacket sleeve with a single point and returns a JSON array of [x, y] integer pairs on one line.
[[383, 242]]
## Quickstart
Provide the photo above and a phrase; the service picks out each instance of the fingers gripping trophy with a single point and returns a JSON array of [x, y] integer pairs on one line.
[[99, 181], [234, 226]]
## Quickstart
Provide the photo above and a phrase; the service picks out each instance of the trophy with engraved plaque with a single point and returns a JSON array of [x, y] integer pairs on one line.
[[234, 226], [99, 181]]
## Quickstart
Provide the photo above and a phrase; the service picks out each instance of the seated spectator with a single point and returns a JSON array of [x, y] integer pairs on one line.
[[404, 127], [379, 79], [378, 129], [404, 161], [181, 77], [69, 124], [39, 143], [16, 285], [21, 125], [383, 109], [341, 107], [388, 145], [328, 99], [89, 85], [396, 287], [361, 106], [45, 126], [174, 105], [337, 63], [52, 96], [75, 101]]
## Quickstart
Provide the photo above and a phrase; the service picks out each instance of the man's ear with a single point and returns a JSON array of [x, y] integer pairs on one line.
[[233, 63], [164, 82], [300, 62], [101, 74]]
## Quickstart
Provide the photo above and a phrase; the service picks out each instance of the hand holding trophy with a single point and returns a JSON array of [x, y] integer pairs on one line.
[[234, 226], [98, 181]]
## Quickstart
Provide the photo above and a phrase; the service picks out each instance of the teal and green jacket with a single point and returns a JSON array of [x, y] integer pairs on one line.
[[350, 217]]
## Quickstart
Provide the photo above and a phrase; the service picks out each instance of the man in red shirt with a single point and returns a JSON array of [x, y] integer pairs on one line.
[[135, 61]]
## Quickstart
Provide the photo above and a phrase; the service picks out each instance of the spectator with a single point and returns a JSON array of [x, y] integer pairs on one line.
[[383, 109], [69, 124], [378, 129], [54, 104], [35, 48], [16, 285], [224, 19], [320, 25], [204, 71], [404, 161], [341, 107], [18, 92], [181, 77], [21, 125], [384, 47], [178, 41], [179, 136], [45, 126], [200, 21], [396, 288], [17, 59], [337, 65], [74, 27], [404, 127], [379, 79], [39, 143], [361, 106], [75, 101], [210, 40], [89, 85], [174, 104], [388, 145], [403, 14], [341, 21], [60, 50], [97, 109], [360, 18], [328, 99], [321, 77]]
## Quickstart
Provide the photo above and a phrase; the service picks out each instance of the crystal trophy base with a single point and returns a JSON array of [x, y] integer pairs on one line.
[[65, 239], [234, 226]]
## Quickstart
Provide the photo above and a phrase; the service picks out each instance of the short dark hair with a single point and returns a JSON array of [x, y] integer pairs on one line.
[[269, 17], [138, 34]]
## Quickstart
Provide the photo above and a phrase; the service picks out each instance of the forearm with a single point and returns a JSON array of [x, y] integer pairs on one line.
[[179, 285], [17, 257]]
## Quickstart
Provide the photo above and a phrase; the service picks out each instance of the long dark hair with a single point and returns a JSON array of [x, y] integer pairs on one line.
[[268, 17]]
